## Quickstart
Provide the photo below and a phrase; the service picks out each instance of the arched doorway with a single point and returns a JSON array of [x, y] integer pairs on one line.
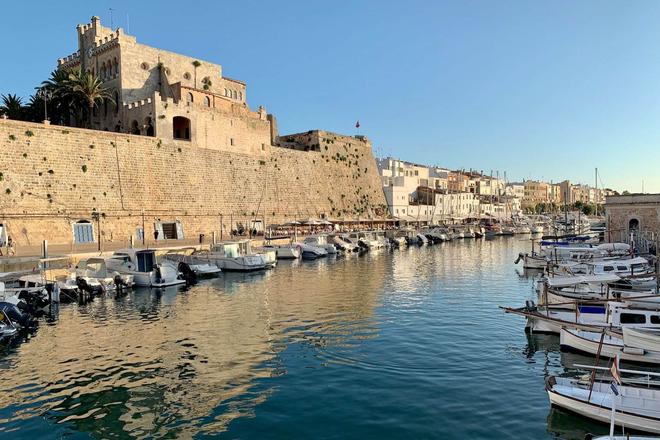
[[181, 128], [149, 126], [135, 128], [633, 225]]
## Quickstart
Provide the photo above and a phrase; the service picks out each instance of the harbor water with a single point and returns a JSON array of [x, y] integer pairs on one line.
[[403, 344]]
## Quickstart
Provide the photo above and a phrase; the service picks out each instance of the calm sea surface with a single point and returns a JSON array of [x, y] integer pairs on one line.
[[404, 344]]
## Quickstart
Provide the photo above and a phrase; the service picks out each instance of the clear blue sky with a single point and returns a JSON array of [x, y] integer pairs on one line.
[[540, 89]]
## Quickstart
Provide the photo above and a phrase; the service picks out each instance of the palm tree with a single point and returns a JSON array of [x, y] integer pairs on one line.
[[12, 106], [61, 102], [196, 64], [88, 87]]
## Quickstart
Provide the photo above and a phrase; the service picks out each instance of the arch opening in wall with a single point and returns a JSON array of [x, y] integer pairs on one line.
[[181, 128], [149, 126], [633, 226], [135, 127], [207, 101], [189, 98]]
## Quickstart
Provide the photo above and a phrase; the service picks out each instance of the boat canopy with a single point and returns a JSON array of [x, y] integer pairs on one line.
[[581, 279], [627, 262]]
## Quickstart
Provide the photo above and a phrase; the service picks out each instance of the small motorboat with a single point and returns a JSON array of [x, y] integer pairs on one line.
[[187, 262], [236, 256], [321, 241], [94, 271], [145, 269], [309, 252], [7, 327], [283, 251]]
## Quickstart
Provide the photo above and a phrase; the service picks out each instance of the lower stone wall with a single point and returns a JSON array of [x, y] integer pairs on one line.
[[52, 177]]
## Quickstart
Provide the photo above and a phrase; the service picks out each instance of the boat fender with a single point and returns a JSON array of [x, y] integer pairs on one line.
[[529, 305], [634, 350]]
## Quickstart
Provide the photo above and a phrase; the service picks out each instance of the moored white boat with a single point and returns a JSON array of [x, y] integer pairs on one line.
[[321, 241], [200, 266], [144, 267], [644, 338], [611, 346], [284, 251], [637, 408], [236, 256], [95, 270], [309, 252]]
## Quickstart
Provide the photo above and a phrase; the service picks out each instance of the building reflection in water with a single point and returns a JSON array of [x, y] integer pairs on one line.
[[177, 362]]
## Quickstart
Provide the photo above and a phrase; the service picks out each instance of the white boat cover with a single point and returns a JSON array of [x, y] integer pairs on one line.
[[580, 279], [628, 261], [610, 247]]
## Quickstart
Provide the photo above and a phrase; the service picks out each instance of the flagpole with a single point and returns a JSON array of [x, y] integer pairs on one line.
[[615, 371]]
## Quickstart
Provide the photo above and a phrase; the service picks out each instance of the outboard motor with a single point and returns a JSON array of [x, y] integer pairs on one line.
[[84, 286], [159, 274], [16, 315], [120, 284], [187, 273]]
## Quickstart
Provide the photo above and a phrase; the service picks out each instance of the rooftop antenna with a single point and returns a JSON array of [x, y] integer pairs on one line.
[[112, 23], [128, 24]]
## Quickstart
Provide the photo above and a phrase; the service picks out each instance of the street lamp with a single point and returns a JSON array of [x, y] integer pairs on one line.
[[45, 94]]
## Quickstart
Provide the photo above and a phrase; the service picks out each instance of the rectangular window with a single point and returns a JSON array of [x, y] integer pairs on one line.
[[231, 141], [83, 232], [172, 231], [633, 318]]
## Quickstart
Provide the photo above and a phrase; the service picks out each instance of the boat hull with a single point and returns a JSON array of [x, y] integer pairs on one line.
[[604, 413], [575, 341]]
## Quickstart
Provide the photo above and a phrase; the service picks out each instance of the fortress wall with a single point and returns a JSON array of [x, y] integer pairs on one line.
[[53, 176]]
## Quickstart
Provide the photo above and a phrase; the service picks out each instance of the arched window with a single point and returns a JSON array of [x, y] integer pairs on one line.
[[240, 96], [207, 101], [633, 225], [116, 66], [234, 94], [189, 98], [135, 127], [102, 71], [149, 126], [226, 92], [181, 128]]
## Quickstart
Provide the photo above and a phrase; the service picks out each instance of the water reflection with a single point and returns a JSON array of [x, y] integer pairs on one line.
[[409, 343], [174, 362]]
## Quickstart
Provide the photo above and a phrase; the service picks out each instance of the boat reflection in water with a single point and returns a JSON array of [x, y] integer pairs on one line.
[[178, 361]]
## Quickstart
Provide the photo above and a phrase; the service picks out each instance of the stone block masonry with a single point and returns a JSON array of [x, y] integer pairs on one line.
[[53, 176]]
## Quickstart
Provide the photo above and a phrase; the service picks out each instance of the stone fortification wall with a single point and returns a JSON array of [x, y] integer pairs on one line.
[[53, 176]]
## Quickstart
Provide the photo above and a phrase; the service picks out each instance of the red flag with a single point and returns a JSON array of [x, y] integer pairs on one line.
[[357, 124]]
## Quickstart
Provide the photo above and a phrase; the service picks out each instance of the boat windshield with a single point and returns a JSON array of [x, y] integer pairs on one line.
[[146, 261]]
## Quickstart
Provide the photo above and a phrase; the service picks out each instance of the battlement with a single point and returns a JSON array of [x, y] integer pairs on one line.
[[70, 59], [136, 104], [92, 26]]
